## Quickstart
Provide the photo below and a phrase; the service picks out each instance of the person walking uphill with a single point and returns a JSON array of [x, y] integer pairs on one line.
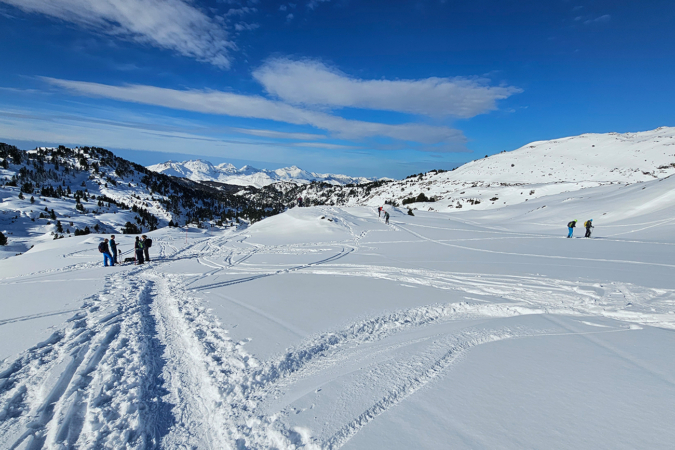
[[138, 248], [103, 248], [571, 226], [147, 243], [386, 218], [113, 248], [588, 224]]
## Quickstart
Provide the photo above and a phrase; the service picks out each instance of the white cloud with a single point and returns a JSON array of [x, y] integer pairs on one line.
[[289, 17], [170, 24], [246, 26], [601, 19], [312, 4], [240, 11], [279, 134], [54, 128], [311, 82], [256, 107], [324, 146]]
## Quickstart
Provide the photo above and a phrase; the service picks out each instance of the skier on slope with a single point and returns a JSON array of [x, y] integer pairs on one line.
[[571, 226], [138, 248], [379, 211], [386, 217], [103, 248], [588, 224]]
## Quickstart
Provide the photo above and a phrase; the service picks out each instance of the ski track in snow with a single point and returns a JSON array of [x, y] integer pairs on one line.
[[143, 364]]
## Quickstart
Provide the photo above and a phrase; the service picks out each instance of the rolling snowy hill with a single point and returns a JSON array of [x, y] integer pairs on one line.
[[198, 170], [536, 170], [52, 193]]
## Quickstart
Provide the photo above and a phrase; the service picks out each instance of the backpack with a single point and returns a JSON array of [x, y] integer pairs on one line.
[[571, 224], [148, 242], [101, 247], [587, 223]]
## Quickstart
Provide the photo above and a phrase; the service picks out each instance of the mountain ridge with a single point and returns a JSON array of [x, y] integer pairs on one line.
[[202, 170]]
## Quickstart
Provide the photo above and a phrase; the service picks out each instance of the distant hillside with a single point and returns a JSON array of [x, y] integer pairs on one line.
[[90, 189], [199, 170], [49, 193], [535, 170]]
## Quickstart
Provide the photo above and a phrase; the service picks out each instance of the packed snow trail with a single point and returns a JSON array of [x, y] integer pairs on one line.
[[108, 391]]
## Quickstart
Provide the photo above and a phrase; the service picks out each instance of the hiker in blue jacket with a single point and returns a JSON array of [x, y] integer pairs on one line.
[[103, 248]]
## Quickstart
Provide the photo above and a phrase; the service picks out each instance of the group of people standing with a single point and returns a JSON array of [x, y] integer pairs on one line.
[[588, 225], [110, 252], [142, 249]]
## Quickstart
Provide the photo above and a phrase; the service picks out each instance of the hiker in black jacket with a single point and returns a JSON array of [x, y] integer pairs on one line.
[[571, 226], [147, 243], [138, 248], [113, 248], [588, 224]]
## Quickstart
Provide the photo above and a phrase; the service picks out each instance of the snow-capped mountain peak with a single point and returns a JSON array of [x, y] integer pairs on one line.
[[199, 170]]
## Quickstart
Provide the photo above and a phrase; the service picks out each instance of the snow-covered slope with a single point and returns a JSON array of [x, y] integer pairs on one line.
[[612, 157], [324, 328], [198, 170], [536, 170], [50, 193]]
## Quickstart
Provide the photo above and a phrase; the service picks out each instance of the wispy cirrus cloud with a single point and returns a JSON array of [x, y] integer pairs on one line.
[[310, 82], [324, 145], [174, 25], [313, 4], [256, 107], [601, 19], [279, 134]]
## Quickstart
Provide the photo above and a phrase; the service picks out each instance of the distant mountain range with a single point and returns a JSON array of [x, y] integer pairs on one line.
[[199, 170]]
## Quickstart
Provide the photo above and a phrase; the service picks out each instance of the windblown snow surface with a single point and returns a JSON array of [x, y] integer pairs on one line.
[[324, 328]]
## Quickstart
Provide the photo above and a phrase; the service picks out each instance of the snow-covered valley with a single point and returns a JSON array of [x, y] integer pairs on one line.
[[324, 327]]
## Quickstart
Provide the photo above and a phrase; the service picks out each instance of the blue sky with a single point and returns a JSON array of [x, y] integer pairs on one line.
[[370, 88]]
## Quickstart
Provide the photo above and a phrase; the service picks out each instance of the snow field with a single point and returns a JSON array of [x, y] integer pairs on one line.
[[300, 332]]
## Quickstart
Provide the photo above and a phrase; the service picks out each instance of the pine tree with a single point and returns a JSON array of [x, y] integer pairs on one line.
[[3, 239], [21, 197], [32, 199]]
